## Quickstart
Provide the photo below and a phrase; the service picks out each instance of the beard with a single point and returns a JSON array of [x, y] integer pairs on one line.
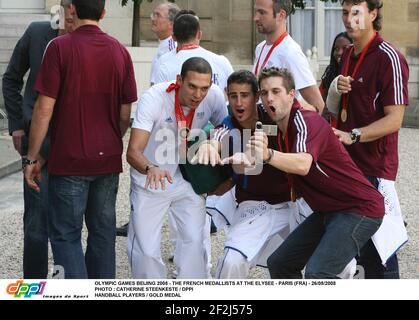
[[262, 30], [265, 29]]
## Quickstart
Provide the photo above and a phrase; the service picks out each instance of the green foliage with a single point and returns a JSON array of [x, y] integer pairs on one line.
[[124, 2]]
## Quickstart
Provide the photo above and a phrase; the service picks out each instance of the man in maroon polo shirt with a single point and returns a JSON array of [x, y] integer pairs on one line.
[[374, 89], [348, 210], [86, 86]]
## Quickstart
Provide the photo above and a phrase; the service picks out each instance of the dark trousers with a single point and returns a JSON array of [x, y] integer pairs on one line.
[[72, 200], [370, 260], [324, 243], [35, 230]]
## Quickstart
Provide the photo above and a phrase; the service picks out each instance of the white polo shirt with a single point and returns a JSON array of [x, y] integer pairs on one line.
[[165, 46], [170, 65], [156, 114], [287, 54]]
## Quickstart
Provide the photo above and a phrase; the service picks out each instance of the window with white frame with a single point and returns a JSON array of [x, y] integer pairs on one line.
[[317, 25], [302, 25]]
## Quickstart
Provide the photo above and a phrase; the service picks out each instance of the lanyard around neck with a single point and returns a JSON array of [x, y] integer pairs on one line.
[[183, 122], [345, 97], [187, 47], [284, 147], [276, 43]]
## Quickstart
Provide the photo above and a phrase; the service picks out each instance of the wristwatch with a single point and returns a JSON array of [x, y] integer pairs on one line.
[[149, 166], [270, 154], [27, 162], [355, 135]]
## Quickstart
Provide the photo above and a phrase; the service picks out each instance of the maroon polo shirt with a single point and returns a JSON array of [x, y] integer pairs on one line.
[[334, 183], [90, 74], [381, 80]]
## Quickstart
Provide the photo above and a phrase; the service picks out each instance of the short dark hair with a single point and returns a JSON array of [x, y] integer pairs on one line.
[[244, 77], [196, 64], [372, 5], [89, 9], [285, 5], [185, 11], [185, 27], [284, 73]]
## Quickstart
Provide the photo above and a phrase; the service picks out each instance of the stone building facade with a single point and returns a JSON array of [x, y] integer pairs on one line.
[[228, 27]]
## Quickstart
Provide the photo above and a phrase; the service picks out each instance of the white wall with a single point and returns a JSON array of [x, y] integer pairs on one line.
[[117, 22], [142, 58]]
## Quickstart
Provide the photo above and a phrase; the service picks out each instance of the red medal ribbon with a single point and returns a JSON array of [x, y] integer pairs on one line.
[[187, 47], [182, 120], [345, 97], [276, 43], [287, 150]]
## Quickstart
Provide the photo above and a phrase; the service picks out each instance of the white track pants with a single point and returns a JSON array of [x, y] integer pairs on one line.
[[255, 225], [173, 232], [144, 232]]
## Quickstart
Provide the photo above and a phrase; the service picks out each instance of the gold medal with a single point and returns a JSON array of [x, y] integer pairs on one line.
[[184, 133], [344, 115]]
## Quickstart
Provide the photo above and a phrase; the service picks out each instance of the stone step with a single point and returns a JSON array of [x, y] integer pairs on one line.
[[9, 158], [8, 43], [5, 55], [414, 73], [411, 116], [412, 60], [2, 123], [12, 30], [22, 18], [3, 67]]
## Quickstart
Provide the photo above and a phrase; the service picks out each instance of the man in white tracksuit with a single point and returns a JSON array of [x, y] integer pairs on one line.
[[157, 184]]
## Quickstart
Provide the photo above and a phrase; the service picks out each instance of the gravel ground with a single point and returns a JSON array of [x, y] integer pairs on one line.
[[11, 219]]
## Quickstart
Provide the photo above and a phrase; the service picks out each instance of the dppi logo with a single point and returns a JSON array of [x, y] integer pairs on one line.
[[26, 290]]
